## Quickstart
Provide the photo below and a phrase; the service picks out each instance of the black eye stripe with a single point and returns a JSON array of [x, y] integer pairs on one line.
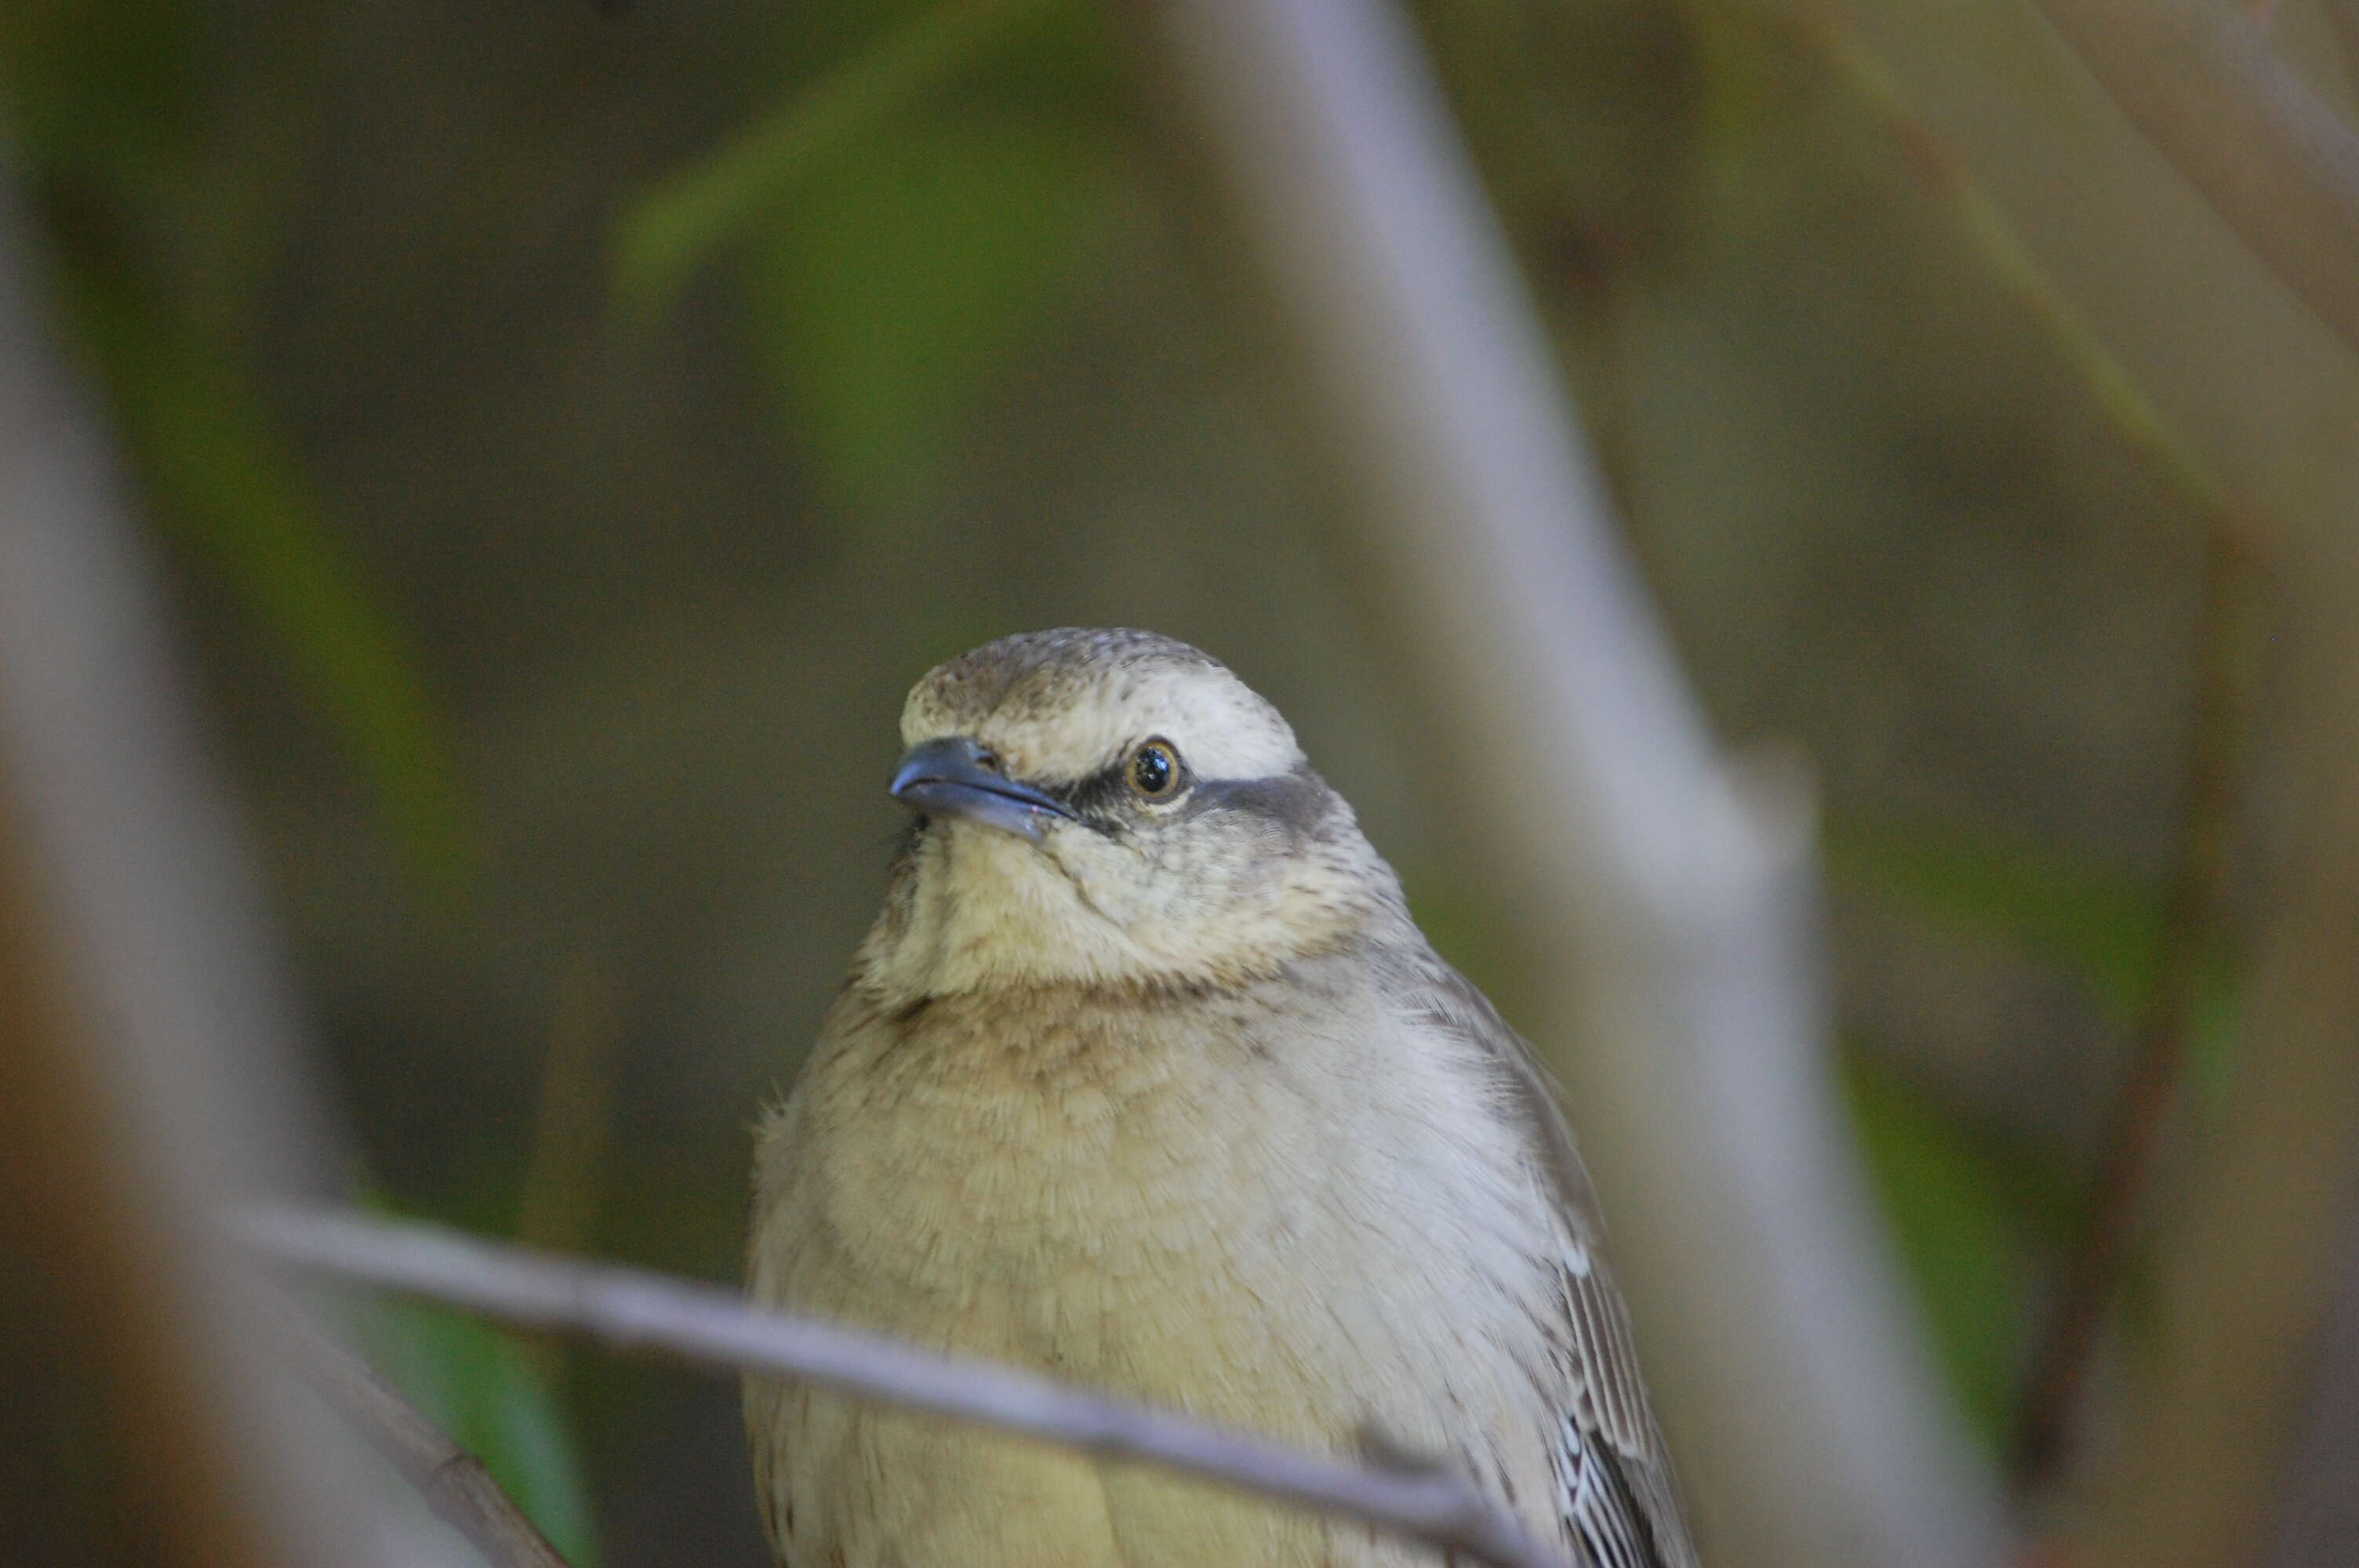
[[1297, 803], [1107, 786]]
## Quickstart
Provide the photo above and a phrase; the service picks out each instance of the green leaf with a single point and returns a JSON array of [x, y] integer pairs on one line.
[[491, 1395], [2099, 925], [686, 220], [490, 1392], [905, 272], [1960, 1213], [234, 495]]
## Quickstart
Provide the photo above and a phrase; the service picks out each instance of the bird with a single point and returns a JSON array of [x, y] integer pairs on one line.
[[1146, 1079]]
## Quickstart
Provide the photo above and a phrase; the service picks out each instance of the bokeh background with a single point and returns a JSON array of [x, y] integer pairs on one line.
[[566, 432]]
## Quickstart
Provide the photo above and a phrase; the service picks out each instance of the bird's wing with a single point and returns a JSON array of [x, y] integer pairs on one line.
[[1615, 1491]]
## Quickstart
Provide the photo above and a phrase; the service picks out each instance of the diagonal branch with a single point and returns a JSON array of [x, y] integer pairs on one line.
[[2195, 911], [2195, 1478], [147, 1047], [634, 1311], [453, 1481], [2203, 84]]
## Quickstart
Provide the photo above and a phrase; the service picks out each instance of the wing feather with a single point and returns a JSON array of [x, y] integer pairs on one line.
[[1616, 1494]]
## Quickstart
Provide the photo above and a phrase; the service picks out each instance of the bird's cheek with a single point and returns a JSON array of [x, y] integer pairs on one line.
[[1106, 877]]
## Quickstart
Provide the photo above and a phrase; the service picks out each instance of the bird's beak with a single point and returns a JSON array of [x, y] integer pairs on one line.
[[958, 776]]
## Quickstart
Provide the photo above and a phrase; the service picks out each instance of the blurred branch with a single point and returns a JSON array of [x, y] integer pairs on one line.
[[453, 1482], [2318, 1516], [2195, 1482], [144, 1049], [2254, 1256], [577, 1089], [559, 1205], [2201, 81], [2114, 393], [1669, 913], [634, 1311], [676, 227], [77, 1193], [2342, 17], [2194, 918]]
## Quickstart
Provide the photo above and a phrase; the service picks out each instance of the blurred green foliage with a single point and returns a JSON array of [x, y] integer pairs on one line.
[[906, 274], [105, 106], [1979, 1216], [102, 91], [495, 1395], [904, 221], [2099, 925], [681, 224], [2101, 928], [222, 482], [1962, 1210]]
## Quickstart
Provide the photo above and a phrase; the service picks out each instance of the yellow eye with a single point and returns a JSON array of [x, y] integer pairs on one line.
[[1155, 769]]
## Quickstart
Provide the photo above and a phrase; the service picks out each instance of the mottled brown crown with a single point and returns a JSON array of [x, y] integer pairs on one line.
[[1062, 703], [1044, 669]]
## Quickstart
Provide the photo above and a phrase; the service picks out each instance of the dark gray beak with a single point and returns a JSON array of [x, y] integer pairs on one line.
[[957, 776]]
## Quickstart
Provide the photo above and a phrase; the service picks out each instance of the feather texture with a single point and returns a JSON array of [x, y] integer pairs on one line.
[[1616, 1492]]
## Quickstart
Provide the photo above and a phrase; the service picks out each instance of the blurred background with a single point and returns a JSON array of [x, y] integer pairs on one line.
[[565, 433]]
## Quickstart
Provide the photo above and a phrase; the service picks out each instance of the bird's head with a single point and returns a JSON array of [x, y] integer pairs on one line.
[[1109, 808]]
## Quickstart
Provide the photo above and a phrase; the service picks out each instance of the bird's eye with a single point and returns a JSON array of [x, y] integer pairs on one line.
[[1155, 769]]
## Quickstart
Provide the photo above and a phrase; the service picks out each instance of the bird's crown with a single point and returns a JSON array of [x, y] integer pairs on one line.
[[1062, 705]]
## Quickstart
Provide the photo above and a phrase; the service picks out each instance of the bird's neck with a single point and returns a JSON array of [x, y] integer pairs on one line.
[[972, 911]]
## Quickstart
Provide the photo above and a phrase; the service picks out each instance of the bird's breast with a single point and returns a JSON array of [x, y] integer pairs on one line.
[[1057, 1186], [1270, 1211]]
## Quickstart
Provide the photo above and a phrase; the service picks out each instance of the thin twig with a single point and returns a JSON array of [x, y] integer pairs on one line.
[[2203, 83], [453, 1482], [569, 1132], [559, 1205], [2195, 902], [148, 1045], [2195, 1477], [2009, 261], [2193, 923], [634, 1311]]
